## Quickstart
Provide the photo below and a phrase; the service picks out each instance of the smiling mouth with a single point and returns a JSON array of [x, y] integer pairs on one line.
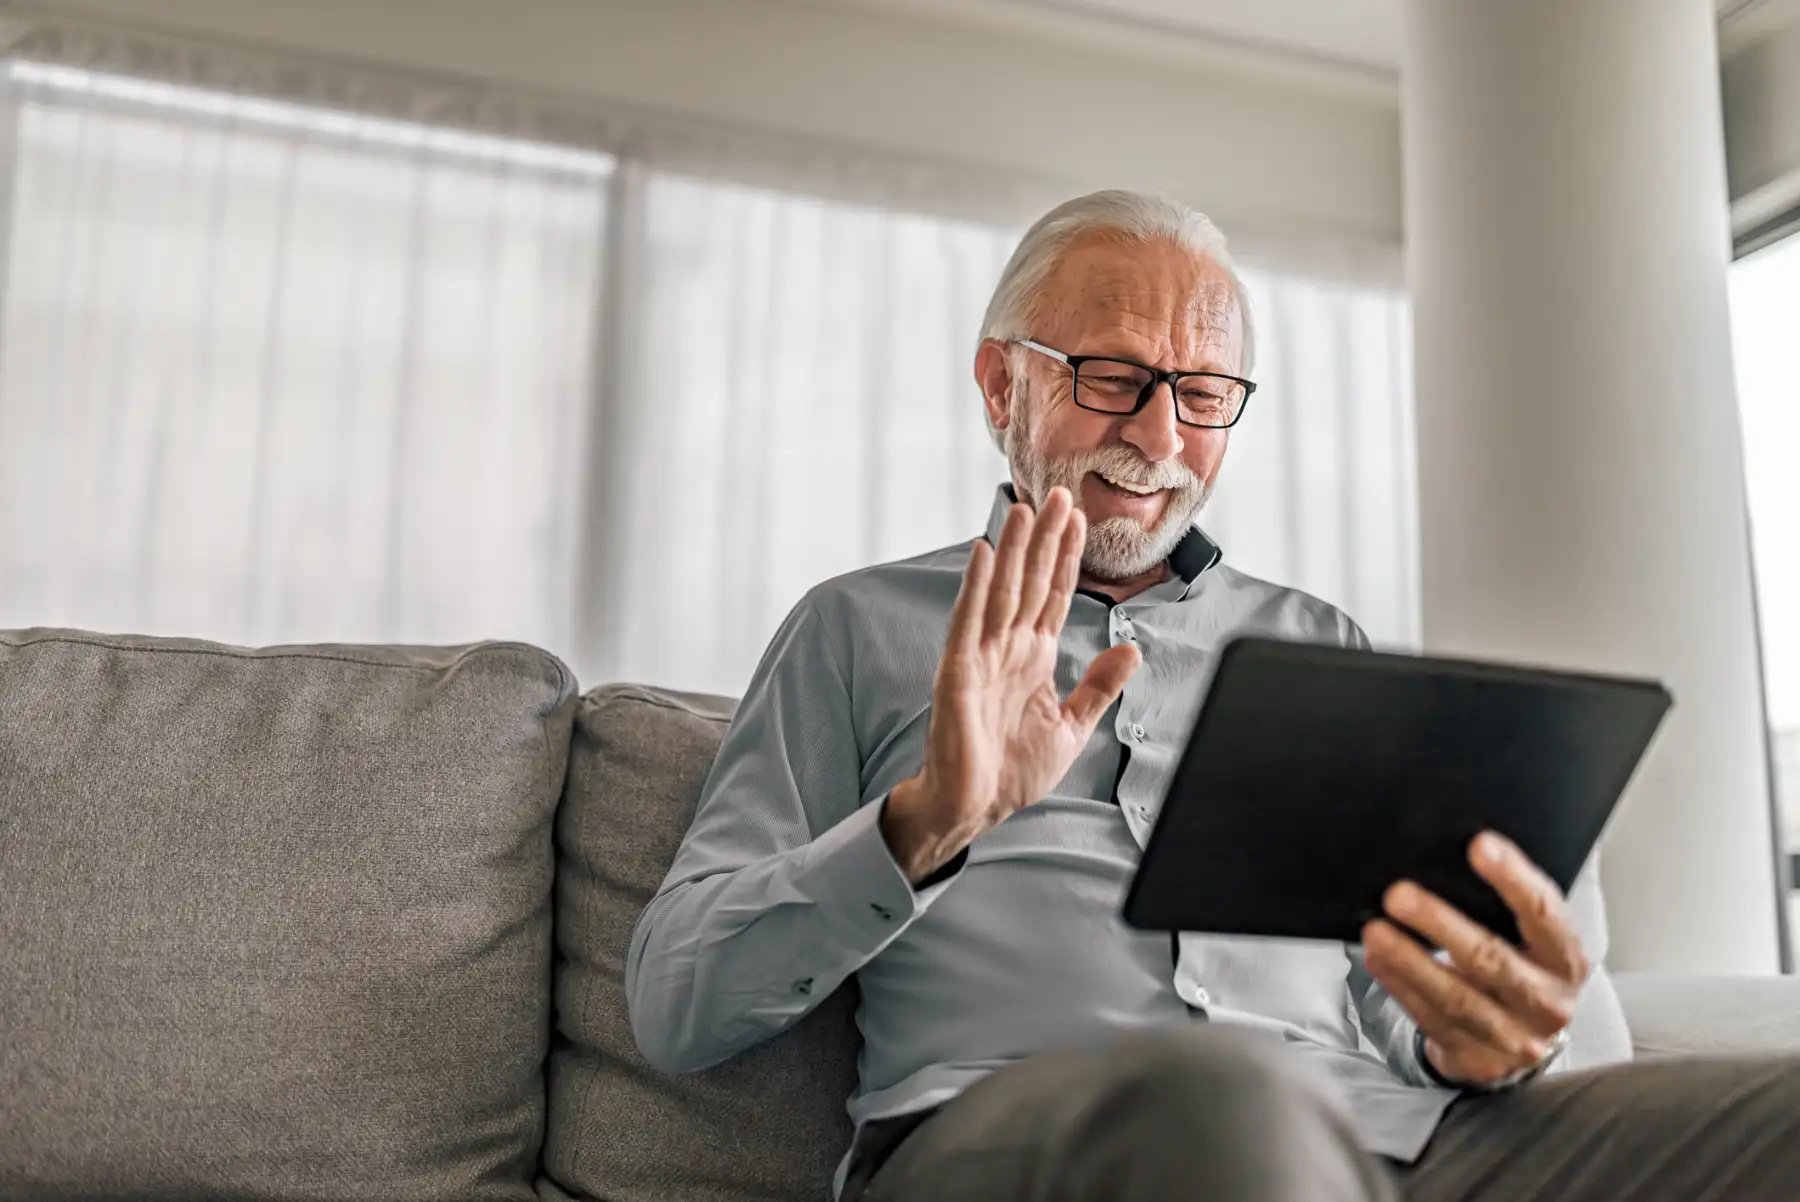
[[1127, 486]]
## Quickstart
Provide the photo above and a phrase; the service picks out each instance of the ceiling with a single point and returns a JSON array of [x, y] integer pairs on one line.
[[1358, 34], [1346, 38]]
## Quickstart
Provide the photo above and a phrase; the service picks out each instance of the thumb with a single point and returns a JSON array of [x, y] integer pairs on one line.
[[1104, 681]]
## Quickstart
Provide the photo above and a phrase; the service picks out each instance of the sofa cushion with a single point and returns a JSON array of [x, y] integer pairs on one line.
[[767, 1124], [276, 924], [1711, 1016]]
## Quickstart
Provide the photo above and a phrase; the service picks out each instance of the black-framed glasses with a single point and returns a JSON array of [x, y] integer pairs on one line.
[[1206, 399]]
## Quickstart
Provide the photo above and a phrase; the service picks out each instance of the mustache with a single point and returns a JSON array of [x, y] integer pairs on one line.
[[1125, 464]]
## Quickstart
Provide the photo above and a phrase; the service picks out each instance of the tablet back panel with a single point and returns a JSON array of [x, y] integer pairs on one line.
[[1317, 776]]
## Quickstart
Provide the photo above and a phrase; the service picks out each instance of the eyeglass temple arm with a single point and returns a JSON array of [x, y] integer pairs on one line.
[[1041, 349]]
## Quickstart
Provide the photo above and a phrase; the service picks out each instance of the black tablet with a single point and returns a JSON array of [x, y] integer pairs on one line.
[[1318, 776]]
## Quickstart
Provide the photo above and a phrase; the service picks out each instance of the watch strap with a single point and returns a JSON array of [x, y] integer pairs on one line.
[[1558, 1045]]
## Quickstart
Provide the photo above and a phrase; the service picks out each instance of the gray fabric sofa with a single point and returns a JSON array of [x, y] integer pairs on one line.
[[350, 922]]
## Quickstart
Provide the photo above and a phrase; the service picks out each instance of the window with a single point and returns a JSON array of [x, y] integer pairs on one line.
[[1765, 296], [273, 372], [797, 401]]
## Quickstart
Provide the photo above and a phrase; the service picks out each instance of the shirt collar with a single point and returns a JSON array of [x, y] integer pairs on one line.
[[1194, 554]]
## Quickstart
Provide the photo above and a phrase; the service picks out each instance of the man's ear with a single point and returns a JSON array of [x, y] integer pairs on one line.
[[993, 373]]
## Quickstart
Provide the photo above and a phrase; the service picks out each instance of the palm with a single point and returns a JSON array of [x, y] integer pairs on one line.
[[1000, 736]]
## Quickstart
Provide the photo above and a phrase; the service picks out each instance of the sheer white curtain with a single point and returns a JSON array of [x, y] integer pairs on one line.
[[1318, 488], [798, 402], [270, 372]]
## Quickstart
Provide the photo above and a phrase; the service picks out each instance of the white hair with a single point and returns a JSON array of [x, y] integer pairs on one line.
[[1137, 216]]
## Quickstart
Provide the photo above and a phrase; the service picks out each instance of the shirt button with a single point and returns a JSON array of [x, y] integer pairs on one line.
[[1202, 997], [882, 912], [1137, 731], [803, 986]]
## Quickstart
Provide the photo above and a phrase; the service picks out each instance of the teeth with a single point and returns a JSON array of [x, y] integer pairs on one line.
[[1142, 490]]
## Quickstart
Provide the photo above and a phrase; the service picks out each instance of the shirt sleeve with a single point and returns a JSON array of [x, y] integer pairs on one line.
[[1386, 1024], [784, 884]]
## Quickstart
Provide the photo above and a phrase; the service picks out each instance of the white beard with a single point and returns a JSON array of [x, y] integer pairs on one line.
[[1117, 547]]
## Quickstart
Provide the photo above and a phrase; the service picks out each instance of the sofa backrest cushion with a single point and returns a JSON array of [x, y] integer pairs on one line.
[[275, 924], [768, 1124]]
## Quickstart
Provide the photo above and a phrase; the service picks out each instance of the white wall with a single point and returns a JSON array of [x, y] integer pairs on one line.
[[1271, 159]]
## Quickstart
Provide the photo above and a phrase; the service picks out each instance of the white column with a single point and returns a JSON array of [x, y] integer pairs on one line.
[[1580, 470]]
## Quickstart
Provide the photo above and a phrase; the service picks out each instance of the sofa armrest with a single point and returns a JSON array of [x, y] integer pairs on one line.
[[1711, 1016]]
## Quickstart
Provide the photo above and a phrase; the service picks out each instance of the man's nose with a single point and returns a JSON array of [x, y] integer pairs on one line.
[[1153, 429]]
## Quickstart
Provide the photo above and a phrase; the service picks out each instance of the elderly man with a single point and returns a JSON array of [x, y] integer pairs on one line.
[[944, 772]]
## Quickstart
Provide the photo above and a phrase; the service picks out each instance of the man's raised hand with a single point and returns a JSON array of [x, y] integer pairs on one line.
[[999, 735]]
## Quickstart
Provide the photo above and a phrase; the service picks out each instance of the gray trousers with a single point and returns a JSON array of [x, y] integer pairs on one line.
[[1213, 1115]]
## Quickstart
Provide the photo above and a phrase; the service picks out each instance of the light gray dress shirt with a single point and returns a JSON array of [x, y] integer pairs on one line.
[[784, 886]]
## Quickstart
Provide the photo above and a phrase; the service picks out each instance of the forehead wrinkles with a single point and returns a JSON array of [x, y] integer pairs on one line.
[[1132, 286], [1208, 310], [1212, 307], [1166, 295], [1204, 317]]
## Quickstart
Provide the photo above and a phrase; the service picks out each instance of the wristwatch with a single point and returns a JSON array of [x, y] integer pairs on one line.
[[1558, 1045]]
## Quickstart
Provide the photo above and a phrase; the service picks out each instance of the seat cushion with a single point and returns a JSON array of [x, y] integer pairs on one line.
[[1672, 1014], [767, 1124], [275, 924]]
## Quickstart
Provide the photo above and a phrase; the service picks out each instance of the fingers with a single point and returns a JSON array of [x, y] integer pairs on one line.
[[1493, 1006], [1447, 1007], [1463, 1051], [1540, 1001], [1101, 686], [971, 601], [1536, 902], [1009, 559], [1067, 576], [1411, 1000], [1041, 556]]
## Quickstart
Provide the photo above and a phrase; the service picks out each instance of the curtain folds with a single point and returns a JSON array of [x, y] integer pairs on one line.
[[266, 379], [276, 368]]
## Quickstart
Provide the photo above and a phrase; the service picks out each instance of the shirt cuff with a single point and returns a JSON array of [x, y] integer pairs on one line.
[[1427, 1069], [859, 884], [943, 872]]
